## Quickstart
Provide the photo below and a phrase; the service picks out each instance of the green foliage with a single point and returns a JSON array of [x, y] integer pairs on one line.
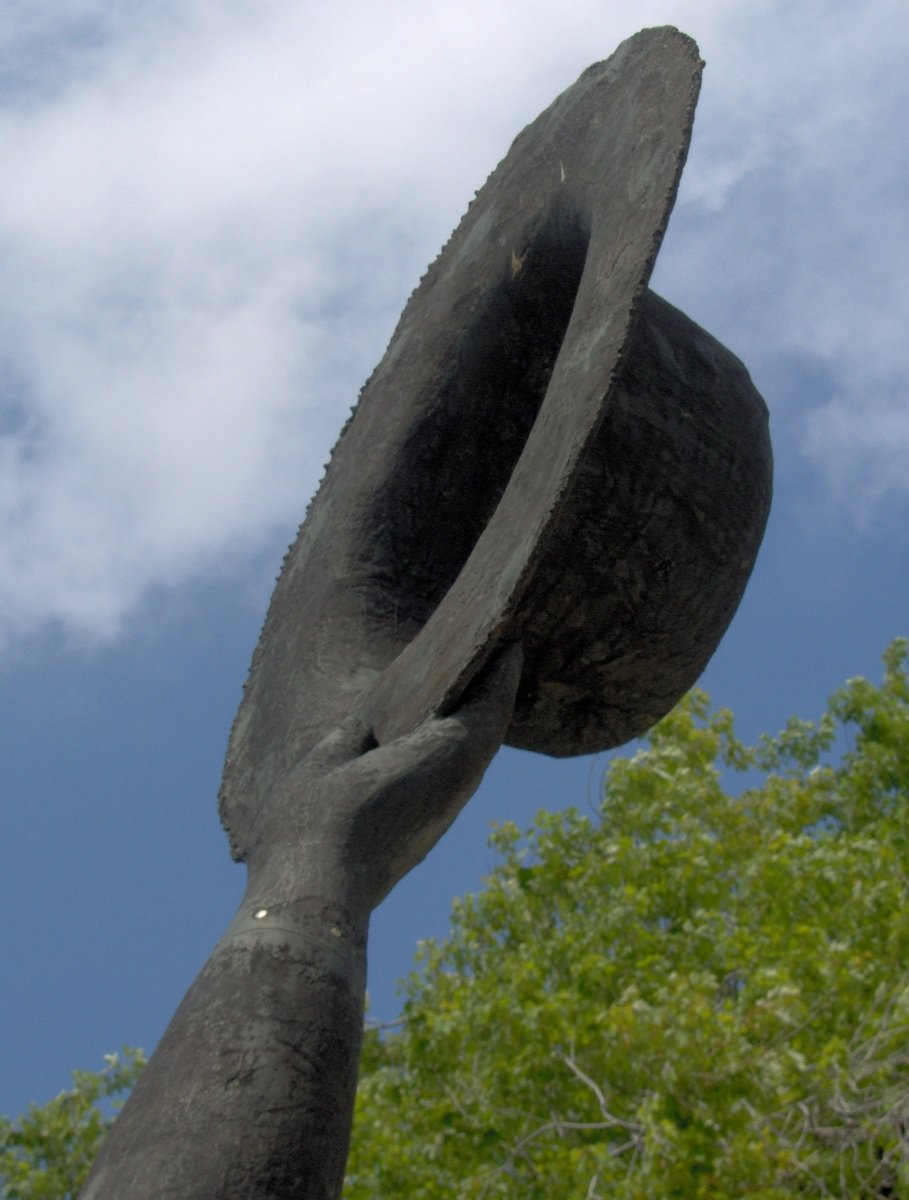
[[696, 994], [46, 1154], [700, 993]]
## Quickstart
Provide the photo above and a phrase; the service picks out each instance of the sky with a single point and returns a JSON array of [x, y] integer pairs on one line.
[[211, 216]]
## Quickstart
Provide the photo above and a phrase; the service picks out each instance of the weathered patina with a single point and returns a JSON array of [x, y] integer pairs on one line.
[[535, 527]]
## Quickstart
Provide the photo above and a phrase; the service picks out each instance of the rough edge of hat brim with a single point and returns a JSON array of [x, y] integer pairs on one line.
[[404, 695]]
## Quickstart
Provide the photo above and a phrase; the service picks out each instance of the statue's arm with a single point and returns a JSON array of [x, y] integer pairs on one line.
[[250, 1092]]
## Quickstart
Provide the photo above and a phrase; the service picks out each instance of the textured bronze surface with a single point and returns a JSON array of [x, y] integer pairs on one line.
[[547, 452]]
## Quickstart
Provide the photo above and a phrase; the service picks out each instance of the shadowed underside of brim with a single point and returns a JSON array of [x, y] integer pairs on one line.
[[546, 452]]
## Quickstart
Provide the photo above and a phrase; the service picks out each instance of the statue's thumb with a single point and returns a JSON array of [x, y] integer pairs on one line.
[[445, 755], [476, 729]]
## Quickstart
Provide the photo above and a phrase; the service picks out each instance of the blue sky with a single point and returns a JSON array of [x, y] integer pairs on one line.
[[211, 216]]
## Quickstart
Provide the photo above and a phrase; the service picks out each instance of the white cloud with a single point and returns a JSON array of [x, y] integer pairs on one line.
[[212, 214]]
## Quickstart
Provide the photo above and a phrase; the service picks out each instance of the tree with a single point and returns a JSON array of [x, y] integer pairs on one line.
[[701, 991], [46, 1153]]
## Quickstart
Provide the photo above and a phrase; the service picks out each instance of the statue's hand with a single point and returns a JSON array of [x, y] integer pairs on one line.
[[354, 817]]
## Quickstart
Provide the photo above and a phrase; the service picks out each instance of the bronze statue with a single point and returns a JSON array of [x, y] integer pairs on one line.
[[534, 528]]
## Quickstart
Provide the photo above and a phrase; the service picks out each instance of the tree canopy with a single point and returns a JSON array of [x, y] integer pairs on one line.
[[700, 990], [46, 1153]]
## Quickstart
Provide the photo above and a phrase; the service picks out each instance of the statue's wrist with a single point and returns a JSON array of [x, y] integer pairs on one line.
[[306, 895], [301, 913]]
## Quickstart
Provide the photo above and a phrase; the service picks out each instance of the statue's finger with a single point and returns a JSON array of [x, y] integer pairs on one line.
[[449, 754], [348, 740], [487, 707]]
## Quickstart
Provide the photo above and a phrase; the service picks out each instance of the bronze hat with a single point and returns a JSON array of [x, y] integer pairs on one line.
[[547, 452]]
